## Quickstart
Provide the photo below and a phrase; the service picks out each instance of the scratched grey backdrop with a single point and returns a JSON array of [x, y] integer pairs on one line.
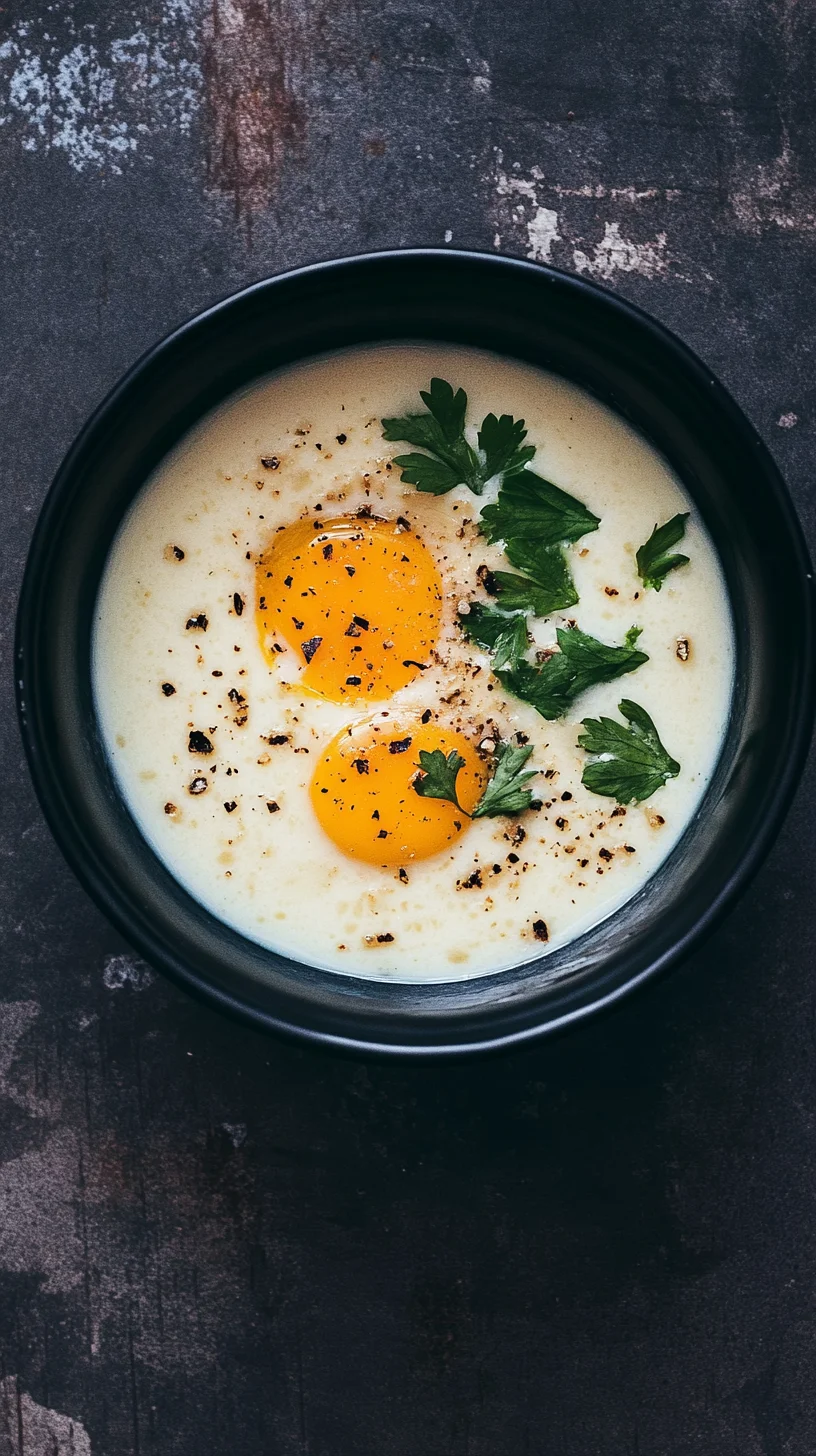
[[210, 1242]]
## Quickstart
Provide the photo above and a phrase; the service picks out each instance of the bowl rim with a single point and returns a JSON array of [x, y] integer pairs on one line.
[[800, 719]]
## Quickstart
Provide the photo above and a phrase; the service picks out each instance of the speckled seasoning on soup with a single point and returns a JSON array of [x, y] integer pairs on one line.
[[407, 678]]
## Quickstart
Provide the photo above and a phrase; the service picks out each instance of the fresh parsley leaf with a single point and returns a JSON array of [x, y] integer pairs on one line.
[[447, 408], [505, 793], [530, 508], [653, 559], [505, 636], [451, 460], [582, 661], [549, 572], [520, 594], [439, 775], [501, 442], [432, 476], [548, 688], [629, 763], [534, 519]]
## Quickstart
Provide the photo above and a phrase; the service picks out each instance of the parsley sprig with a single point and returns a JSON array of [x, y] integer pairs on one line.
[[530, 508], [552, 591], [450, 459], [654, 558], [506, 792], [437, 779], [501, 442], [629, 763], [504, 636], [582, 661], [536, 519]]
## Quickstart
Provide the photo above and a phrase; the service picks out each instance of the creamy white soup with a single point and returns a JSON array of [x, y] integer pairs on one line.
[[417, 700]]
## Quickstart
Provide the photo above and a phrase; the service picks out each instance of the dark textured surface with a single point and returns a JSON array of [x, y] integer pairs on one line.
[[211, 1242]]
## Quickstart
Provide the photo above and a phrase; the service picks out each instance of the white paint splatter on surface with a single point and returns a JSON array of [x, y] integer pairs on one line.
[[122, 970], [617, 254], [542, 233], [29, 1429], [523, 208], [541, 223], [98, 101], [787, 421]]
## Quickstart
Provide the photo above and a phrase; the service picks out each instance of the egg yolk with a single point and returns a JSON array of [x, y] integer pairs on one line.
[[358, 598], [364, 797]]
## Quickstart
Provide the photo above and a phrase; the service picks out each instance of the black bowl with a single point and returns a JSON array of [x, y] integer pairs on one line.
[[545, 318]]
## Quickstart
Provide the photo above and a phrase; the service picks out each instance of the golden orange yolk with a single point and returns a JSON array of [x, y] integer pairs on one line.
[[358, 598], [364, 797]]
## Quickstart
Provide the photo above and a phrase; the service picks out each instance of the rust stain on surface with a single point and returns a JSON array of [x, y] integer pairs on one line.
[[255, 59]]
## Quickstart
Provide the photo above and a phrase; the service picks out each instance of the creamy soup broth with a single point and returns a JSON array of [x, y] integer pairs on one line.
[[189, 548]]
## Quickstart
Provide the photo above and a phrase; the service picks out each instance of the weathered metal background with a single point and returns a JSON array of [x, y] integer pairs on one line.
[[210, 1242]]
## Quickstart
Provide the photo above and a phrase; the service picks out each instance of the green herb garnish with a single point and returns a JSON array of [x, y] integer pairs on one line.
[[450, 460], [519, 594], [500, 440], [531, 509], [504, 794], [630, 763], [439, 775], [505, 636], [654, 561], [553, 685], [535, 519], [550, 584]]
